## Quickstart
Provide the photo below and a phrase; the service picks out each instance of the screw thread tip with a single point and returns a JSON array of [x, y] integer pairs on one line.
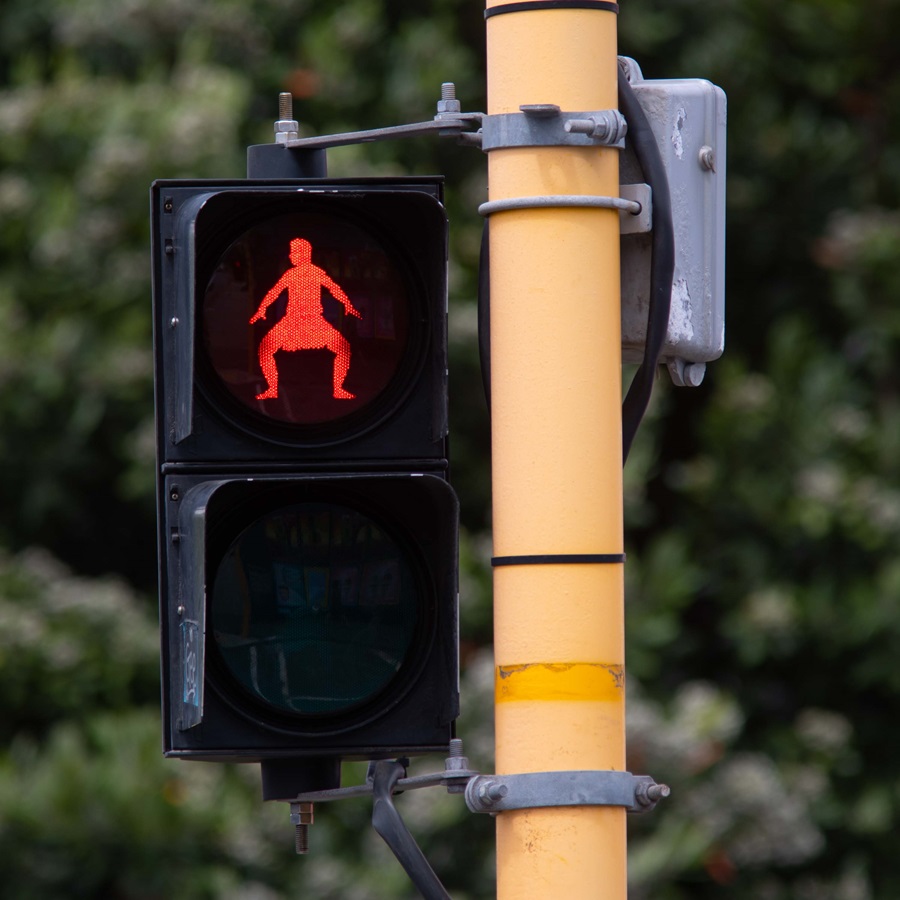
[[285, 105]]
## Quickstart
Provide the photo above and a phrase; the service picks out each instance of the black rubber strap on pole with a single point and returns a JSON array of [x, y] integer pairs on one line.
[[555, 559], [530, 5]]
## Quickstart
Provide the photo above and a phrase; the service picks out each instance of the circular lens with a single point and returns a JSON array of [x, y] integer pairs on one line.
[[306, 318], [314, 609]]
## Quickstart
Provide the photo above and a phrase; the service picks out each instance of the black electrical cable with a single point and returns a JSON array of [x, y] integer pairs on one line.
[[662, 266]]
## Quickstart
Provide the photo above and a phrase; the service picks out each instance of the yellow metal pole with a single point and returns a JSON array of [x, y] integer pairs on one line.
[[557, 453]]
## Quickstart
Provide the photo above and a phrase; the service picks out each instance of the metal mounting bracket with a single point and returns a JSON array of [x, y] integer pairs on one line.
[[452, 779], [642, 221], [443, 124], [537, 125], [498, 793], [546, 125]]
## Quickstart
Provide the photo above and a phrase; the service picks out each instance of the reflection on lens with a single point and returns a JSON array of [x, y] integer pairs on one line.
[[313, 609]]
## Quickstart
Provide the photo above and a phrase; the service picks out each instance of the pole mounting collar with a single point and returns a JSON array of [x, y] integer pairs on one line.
[[532, 790], [546, 125]]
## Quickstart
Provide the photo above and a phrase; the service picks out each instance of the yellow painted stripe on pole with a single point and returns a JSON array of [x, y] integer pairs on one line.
[[560, 681]]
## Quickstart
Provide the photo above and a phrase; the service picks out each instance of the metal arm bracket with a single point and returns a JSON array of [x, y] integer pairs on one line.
[[443, 124], [537, 125]]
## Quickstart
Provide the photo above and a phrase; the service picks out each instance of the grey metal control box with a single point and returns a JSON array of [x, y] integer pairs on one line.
[[687, 117]]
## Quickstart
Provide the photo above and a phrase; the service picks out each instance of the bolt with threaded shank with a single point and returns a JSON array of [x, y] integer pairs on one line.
[[302, 817], [286, 128], [285, 105], [448, 102], [456, 762]]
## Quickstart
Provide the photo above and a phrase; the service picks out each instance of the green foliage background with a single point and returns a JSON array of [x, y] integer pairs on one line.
[[763, 509]]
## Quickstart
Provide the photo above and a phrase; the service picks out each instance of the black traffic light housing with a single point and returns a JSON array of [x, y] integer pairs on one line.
[[307, 530]]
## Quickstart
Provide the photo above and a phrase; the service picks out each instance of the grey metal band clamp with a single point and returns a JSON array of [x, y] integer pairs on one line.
[[558, 200], [498, 793], [546, 125]]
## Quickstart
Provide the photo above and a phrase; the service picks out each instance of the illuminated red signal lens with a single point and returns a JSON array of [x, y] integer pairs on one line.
[[306, 318]]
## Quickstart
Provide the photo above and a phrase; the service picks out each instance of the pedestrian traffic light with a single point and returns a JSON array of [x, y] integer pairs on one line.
[[307, 530]]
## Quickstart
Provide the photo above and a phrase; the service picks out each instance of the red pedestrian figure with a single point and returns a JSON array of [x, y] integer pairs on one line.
[[303, 325]]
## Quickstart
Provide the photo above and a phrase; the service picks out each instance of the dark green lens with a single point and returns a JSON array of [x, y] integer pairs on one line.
[[314, 609]]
